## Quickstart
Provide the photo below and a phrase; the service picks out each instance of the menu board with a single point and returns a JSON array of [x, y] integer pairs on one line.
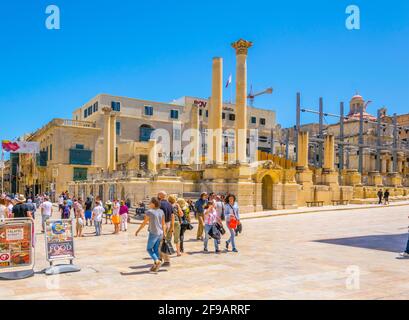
[[15, 243], [59, 239]]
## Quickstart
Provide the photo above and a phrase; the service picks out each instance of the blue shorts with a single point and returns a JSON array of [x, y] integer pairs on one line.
[[88, 214]]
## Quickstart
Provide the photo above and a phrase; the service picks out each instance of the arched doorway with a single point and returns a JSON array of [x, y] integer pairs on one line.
[[267, 192]]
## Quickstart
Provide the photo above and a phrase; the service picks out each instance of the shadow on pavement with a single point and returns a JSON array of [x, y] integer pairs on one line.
[[140, 272], [383, 242]]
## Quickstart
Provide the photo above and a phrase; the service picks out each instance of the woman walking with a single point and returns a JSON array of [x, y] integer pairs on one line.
[[116, 220], [209, 220], [157, 228], [123, 213], [231, 212], [185, 221], [79, 217], [177, 212]]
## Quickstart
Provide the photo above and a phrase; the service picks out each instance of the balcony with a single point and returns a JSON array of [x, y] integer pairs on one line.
[[81, 157]]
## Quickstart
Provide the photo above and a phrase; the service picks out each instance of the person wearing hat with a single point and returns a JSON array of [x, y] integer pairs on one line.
[[20, 209], [108, 211]]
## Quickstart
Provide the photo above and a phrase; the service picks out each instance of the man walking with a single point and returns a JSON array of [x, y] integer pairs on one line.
[[199, 205], [380, 196], [386, 196], [97, 217], [46, 212]]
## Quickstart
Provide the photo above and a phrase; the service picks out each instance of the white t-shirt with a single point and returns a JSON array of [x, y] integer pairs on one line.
[[47, 208], [61, 200], [115, 210], [98, 212]]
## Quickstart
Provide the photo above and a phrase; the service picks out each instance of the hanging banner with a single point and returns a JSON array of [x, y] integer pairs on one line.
[[16, 245], [20, 146], [59, 240]]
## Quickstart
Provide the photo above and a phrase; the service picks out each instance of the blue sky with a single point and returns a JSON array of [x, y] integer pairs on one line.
[[161, 50]]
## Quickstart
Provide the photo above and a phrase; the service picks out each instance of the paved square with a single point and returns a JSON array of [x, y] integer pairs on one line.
[[305, 256]]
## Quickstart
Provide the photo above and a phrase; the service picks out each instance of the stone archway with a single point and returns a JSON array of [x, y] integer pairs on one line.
[[267, 192]]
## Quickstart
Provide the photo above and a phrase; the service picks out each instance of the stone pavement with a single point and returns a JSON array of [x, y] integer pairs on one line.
[[305, 256]]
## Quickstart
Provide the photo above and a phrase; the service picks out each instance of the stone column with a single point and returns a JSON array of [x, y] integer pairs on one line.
[[215, 126], [329, 148], [303, 138], [241, 47], [107, 135], [383, 164], [112, 144], [153, 154]]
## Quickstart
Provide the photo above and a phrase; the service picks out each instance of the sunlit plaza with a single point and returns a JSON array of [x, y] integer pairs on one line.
[[333, 254]]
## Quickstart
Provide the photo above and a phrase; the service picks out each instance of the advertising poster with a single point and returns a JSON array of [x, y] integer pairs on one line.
[[59, 239], [15, 244]]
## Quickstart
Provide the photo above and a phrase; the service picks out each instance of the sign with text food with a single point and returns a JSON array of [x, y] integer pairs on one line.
[[59, 239], [16, 244]]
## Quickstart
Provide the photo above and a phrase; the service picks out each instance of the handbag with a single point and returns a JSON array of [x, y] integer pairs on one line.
[[214, 233], [167, 247], [239, 228], [233, 220], [220, 228]]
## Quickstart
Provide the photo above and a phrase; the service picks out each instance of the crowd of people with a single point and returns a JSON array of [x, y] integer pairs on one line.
[[169, 218]]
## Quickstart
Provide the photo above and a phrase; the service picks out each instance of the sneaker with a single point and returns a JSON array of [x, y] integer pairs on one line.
[[227, 245], [235, 250], [217, 251], [156, 266], [205, 250], [404, 254]]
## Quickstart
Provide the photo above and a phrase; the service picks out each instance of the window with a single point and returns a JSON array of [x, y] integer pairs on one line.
[[96, 106], [145, 132], [232, 117], [262, 121], [85, 112], [200, 112], [79, 146], [223, 115], [207, 113], [148, 111], [42, 158], [118, 128], [116, 106], [51, 152], [80, 174], [174, 114], [254, 120], [89, 110]]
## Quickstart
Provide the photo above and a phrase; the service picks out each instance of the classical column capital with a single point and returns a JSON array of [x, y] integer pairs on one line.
[[241, 46], [107, 110]]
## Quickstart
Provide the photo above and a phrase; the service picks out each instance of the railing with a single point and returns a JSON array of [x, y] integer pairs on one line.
[[78, 123], [119, 175]]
